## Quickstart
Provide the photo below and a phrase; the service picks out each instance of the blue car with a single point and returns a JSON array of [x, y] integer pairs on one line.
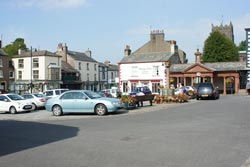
[[82, 101], [143, 89]]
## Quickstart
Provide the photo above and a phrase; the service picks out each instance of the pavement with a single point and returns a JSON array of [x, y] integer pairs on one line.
[[43, 115]]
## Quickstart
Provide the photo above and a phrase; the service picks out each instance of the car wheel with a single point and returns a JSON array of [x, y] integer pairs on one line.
[[57, 110], [12, 110], [101, 109], [34, 107]]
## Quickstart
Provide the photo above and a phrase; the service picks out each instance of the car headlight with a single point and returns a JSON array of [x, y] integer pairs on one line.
[[116, 102]]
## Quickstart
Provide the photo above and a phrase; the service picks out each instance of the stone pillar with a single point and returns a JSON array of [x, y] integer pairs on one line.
[[237, 83], [225, 86]]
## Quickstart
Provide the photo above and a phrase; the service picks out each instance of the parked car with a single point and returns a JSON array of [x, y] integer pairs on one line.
[[38, 100], [113, 92], [191, 91], [82, 101], [207, 90], [54, 92], [14, 103], [142, 89], [178, 91], [104, 94]]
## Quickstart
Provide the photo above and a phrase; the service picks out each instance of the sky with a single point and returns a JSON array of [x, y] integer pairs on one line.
[[107, 26]]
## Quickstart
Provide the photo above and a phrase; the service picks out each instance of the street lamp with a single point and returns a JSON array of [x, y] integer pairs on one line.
[[31, 84]]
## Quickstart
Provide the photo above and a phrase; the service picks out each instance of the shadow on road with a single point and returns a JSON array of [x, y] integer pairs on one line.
[[19, 135]]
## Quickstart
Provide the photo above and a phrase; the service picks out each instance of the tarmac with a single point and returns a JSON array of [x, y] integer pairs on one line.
[[43, 115]]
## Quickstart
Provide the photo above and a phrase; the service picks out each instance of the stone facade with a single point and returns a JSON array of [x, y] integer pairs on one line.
[[225, 29]]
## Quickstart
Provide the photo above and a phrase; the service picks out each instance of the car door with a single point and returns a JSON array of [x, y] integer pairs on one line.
[[67, 102], [4, 103], [84, 103]]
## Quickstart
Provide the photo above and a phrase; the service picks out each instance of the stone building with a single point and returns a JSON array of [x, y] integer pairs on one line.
[[225, 29], [149, 65]]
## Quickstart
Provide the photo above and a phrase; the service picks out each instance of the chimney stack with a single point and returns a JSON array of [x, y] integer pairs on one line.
[[88, 52], [127, 50]]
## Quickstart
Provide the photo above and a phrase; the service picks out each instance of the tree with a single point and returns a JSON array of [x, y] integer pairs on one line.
[[219, 48], [12, 49], [242, 45]]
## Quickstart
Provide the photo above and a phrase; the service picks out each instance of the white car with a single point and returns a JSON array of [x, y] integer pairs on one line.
[[38, 100], [14, 103], [54, 92]]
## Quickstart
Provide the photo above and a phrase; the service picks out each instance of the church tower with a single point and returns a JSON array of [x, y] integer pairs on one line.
[[225, 29]]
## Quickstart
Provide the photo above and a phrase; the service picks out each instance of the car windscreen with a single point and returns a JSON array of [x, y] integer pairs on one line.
[[92, 95], [15, 97]]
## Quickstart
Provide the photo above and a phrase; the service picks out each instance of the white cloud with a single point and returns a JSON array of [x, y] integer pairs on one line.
[[50, 4]]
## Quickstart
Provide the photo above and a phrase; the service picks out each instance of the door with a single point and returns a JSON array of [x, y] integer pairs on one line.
[[83, 103], [68, 102], [4, 103]]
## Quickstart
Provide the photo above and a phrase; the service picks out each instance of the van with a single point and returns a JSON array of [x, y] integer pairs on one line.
[[54, 92]]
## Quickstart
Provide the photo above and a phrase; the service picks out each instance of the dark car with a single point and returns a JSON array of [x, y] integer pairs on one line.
[[143, 89], [207, 90]]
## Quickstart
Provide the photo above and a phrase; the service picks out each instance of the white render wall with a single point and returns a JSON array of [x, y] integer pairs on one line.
[[142, 72], [44, 62]]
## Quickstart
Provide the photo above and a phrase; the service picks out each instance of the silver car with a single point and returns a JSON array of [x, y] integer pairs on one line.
[[82, 101], [38, 100]]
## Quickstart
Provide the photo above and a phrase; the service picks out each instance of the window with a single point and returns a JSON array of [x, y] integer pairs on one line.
[[133, 86], [103, 75], [87, 77], [156, 87], [79, 95], [35, 74], [11, 74], [54, 74], [95, 77], [95, 67], [35, 63], [20, 63], [80, 66], [112, 75], [1, 74], [87, 66], [1, 63], [19, 74], [156, 70]]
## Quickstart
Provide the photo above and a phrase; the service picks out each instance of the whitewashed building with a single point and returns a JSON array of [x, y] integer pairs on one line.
[[149, 65], [36, 71]]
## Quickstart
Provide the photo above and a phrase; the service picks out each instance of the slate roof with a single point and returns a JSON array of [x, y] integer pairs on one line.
[[147, 57], [227, 66], [37, 53], [179, 67], [220, 66], [81, 56], [2, 53], [66, 67], [113, 67]]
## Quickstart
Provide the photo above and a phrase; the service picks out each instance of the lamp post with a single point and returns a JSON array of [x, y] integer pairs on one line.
[[31, 84]]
